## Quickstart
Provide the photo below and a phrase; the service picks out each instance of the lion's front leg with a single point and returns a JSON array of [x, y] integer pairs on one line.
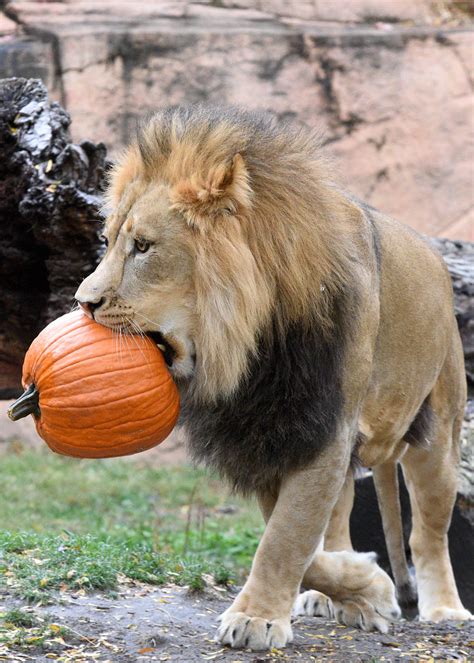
[[260, 616], [361, 593], [344, 584]]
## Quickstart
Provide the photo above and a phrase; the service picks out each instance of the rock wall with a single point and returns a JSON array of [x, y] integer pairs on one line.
[[390, 82]]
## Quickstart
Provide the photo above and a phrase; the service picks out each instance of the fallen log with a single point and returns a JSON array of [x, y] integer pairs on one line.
[[49, 214], [459, 257]]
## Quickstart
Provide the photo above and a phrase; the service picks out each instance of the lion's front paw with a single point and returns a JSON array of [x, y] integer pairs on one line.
[[238, 629], [372, 606], [442, 613], [314, 604], [362, 594], [358, 613], [361, 614]]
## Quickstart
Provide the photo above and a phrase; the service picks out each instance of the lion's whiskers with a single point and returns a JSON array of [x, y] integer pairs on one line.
[[148, 319], [135, 327], [125, 337], [120, 344]]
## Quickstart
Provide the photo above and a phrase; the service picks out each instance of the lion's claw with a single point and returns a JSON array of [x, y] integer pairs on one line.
[[238, 629]]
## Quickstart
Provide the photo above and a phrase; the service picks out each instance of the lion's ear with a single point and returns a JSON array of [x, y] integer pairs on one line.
[[223, 190]]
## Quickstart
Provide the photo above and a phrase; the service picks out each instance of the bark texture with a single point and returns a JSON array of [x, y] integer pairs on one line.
[[49, 197], [459, 257]]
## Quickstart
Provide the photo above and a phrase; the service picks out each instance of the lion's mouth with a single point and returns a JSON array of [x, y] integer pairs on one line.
[[119, 325], [169, 352]]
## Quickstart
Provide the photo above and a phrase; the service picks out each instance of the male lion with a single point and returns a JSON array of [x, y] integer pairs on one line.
[[302, 327]]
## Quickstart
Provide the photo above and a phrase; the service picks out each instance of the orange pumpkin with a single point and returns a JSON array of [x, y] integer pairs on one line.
[[93, 394]]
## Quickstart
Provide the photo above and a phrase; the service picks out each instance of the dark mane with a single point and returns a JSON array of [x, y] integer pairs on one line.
[[284, 412]]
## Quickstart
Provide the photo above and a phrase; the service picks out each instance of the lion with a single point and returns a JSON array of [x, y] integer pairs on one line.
[[303, 328]]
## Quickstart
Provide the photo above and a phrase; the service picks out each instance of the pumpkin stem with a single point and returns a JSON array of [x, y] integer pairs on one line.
[[28, 403]]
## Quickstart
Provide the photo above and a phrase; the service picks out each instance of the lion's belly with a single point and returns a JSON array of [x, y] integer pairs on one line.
[[382, 434], [389, 409], [401, 383]]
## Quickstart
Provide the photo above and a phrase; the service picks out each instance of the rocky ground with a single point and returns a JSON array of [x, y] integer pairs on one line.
[[170, 624]]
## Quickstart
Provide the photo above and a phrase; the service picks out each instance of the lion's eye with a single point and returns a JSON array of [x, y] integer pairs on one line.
[[104, 239], [141, 245]]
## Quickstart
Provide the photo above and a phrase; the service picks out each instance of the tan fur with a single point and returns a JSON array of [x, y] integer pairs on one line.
[[338, 536], [386, 484], [242, 240]]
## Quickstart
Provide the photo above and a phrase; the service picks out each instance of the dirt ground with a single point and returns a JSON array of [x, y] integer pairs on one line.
[[142, 623]]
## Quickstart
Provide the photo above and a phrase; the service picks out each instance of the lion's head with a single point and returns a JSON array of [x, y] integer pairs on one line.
[[223, 226]]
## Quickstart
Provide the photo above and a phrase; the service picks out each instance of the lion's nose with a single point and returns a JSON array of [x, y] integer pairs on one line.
[[90, 306]]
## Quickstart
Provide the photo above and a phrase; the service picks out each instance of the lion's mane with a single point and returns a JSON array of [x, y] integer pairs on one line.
[[274, 277]]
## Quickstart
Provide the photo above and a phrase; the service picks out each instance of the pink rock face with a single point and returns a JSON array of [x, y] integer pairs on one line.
[[7, 27], [387, 83]]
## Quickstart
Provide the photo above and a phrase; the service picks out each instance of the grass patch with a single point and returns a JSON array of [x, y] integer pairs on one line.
[[79, 524], [22, 630], [18, 618]]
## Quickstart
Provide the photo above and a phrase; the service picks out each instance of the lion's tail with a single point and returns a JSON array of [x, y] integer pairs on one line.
[[386, 485]]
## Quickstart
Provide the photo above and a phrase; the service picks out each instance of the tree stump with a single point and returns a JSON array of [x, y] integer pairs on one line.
[[50, 221]]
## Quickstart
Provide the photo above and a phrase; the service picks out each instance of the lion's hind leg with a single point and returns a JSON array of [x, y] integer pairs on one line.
[[386, 485], [431, 477]]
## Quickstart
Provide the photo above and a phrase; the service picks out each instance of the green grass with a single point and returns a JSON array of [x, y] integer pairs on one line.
[[18, 618], [21, 629], [78, 524]]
